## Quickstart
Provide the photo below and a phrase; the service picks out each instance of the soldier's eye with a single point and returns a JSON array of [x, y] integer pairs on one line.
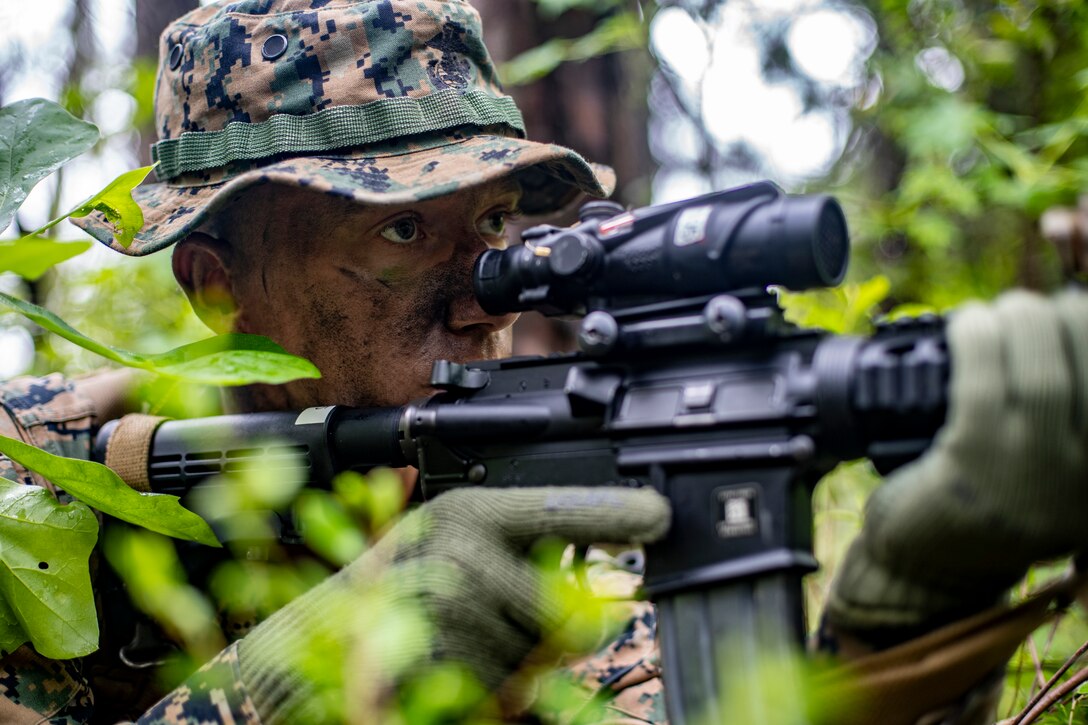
[[402, 231], [494, 223]]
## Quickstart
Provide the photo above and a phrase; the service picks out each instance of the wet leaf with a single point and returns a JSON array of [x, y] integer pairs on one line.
[[230, 359], [12, 633], [99, 487], [45, 582], [36, 137], [115, 201], [30, 257]]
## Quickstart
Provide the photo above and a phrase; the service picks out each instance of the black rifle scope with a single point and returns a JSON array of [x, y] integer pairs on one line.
[[728, 241]]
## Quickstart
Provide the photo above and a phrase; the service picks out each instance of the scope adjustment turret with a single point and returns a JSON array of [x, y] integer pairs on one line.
[[573, 254], [598, 211]]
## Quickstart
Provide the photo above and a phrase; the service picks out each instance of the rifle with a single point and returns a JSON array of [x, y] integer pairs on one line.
[[689, 380]]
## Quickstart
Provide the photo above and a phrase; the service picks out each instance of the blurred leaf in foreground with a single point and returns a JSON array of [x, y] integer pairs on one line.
[[30, 257], [622, 31], [98, 486], [230, 359], [846, 309], [155, 579]]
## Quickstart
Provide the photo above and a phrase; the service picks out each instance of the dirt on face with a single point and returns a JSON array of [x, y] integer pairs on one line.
[[371, 295]]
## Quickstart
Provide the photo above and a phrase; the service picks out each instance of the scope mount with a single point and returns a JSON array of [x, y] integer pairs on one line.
[[720, 320]]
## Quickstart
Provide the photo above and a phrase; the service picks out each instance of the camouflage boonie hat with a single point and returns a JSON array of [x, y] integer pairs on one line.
[[379, 101]]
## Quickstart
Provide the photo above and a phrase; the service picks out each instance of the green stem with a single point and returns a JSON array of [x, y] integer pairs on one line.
[[47, 227]]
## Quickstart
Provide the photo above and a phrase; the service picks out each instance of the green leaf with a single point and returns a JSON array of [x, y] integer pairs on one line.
[[622, 31], [155, 581], [30, 257], [12, 633], [910, 310], [241, 367], [44, 576], [115, 201], [54, 324], [98, 486], [555, 8], [845, 309], [36, 137], [230, 359], [209, 346]]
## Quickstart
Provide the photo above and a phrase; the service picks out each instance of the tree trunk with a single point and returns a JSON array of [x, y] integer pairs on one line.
[[597, 107], [152, 17]]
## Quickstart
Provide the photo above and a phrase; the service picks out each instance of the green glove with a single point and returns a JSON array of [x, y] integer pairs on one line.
[[463, 557], [1004, 485]]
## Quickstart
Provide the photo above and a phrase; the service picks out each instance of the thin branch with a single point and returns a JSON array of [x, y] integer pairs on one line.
[[1040, 678], [1050, 637], [1016, 693], [1055, 696], [1030, 707]]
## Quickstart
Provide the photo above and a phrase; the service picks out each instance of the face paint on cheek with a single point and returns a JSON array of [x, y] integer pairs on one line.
[[397, 276]]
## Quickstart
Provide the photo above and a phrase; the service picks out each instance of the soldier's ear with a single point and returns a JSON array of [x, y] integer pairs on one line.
[[203, 268]]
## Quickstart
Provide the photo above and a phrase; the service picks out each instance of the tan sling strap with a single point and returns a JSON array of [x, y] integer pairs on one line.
[[904, 683], [129, 448]]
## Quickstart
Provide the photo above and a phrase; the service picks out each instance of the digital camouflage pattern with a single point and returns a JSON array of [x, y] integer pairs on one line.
[[47, 413], [214, 694], [35, 687], [379, 101], [623, 678], [337, 54]]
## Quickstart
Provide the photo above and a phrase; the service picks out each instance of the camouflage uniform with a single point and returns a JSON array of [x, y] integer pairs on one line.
[[624, 676]]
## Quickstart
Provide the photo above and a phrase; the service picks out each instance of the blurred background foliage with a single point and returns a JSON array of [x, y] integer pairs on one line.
[[946, 128]]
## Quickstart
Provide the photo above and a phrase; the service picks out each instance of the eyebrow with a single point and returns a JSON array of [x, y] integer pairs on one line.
[[508, 187]]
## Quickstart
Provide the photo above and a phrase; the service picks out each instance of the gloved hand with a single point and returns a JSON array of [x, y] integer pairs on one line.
[[463, 557], [1004, 485]]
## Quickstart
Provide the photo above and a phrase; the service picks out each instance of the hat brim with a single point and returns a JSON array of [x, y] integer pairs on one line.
[[550, 176]]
